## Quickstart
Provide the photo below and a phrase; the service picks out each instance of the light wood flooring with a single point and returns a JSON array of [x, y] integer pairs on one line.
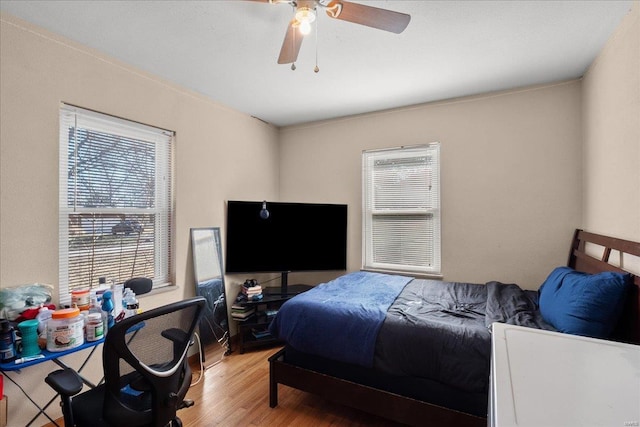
[[234, 391]]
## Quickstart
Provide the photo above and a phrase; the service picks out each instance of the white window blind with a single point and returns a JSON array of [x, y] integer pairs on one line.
[[401, 212], [115, 200]]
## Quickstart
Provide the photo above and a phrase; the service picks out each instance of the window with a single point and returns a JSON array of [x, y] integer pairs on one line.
[[115, 200], [401, 213]]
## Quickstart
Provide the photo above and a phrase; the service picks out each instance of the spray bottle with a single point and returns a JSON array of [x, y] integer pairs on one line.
[[107, 311]]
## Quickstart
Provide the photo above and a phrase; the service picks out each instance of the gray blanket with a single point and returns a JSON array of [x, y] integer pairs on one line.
[[441, 330]]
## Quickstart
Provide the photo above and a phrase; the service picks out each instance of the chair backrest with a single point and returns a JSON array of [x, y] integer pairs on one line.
[[139, 285], [145, 364]]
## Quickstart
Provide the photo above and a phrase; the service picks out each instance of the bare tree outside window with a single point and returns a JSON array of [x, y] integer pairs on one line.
[[112, 207]]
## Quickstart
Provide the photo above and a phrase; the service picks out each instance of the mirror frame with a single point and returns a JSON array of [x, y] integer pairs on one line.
[[207, 259]]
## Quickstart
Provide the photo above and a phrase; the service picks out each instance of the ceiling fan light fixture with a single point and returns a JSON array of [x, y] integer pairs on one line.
[[305, 13], [304, 17]]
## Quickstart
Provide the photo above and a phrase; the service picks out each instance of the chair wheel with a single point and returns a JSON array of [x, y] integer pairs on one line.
[[176, 422]]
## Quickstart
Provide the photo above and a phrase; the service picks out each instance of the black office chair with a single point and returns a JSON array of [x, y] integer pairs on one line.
[[146, 371]]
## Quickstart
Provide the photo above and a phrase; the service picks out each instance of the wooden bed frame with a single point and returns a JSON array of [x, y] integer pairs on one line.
[[418, 413]]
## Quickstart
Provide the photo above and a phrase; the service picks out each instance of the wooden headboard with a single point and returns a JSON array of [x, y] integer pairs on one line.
[[582, 257]]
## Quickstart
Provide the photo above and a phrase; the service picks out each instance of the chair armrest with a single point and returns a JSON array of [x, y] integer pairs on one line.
[[178, 337], [174, 334], [65, 382]]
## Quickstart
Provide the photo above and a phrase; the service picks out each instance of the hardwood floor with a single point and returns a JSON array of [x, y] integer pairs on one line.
[[234, 391]]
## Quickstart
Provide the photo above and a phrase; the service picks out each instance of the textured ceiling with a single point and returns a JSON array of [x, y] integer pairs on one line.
[[227, 50]]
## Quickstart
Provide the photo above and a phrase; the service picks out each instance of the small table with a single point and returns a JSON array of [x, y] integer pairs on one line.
[[54, 357]]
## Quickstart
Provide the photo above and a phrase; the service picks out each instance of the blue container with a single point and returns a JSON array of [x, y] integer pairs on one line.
[[107, 311]]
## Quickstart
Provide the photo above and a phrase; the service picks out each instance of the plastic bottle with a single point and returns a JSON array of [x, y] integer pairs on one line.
[[7, 342], [126, 297], [107, 311], [129, 303], [132, 307], [95, 327], [94, 306], [127, 294], [44, 314]]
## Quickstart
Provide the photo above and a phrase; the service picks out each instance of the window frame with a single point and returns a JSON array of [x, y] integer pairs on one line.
[[433, 213], [162, 210]]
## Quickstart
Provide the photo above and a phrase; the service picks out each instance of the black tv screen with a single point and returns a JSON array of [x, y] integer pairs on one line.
[[293, 237]]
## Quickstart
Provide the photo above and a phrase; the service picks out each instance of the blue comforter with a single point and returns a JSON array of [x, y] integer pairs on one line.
[[336, 325]]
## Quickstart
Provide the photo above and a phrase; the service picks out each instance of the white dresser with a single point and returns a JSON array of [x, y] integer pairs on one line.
[[546, 379]]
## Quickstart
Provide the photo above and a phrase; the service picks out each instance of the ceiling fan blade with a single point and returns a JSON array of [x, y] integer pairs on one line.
[[374, 17], [290, 45]]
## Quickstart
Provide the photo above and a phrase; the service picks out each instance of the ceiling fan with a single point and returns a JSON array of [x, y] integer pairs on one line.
[[305, 14]]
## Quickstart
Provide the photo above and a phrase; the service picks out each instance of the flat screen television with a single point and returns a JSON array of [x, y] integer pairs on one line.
[[285, 237]]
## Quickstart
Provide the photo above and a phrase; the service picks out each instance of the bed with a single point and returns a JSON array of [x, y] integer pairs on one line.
[[419, 350]]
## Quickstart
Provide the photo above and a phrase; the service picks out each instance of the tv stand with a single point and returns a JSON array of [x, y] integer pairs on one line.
[[249, 330], [285, 289], [292, 290]]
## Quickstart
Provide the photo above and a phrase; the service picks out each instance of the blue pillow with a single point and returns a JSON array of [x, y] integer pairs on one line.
[[583, 304]]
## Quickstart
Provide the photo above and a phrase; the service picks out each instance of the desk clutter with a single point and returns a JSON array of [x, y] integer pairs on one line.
[[25, 332], [250, 290]]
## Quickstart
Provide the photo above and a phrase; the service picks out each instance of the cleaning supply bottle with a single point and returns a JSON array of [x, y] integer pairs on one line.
[[44, 314], [94, 305], [107, 311]]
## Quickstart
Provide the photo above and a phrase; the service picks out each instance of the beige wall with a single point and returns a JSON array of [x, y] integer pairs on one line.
[[510, 176], [220, 154], [611, 110]]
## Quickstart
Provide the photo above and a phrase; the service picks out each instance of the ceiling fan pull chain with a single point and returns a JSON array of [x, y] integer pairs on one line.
[[293, 40], [316, 69]]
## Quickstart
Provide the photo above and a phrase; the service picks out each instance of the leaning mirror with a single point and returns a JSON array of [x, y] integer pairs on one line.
[[207, 268]]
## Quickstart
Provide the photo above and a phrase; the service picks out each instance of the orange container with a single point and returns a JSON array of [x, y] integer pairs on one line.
[[80, 298]]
